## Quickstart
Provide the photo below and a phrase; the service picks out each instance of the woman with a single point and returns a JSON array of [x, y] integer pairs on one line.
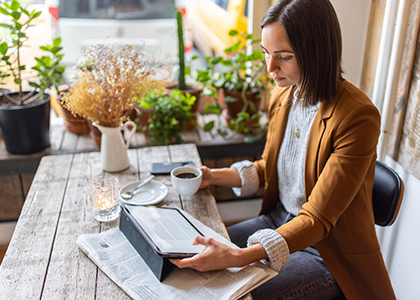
[[316, 224]]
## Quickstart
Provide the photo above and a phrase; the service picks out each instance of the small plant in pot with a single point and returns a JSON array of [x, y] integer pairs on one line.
[[107, 91], [25, 115], [74, 124], [241, 77], [184, 71], [167, 116]]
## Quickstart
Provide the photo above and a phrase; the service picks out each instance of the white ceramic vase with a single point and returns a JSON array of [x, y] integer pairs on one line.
[[114, 157]]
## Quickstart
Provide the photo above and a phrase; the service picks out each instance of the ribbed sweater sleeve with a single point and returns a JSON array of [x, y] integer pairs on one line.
[[249, 178], [274, 245]]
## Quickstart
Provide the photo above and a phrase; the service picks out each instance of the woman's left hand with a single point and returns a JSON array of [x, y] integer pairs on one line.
[[215, 256]]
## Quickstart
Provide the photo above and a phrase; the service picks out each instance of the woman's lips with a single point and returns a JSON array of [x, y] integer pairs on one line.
[[278, 79]]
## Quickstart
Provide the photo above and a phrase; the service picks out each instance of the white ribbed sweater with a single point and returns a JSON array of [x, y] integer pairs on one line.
[[291, 175]]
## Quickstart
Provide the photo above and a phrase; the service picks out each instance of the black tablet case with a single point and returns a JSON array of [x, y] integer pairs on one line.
[[160, 266]]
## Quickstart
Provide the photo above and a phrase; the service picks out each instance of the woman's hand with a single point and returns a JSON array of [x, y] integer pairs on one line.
[[215, 256], [207, 177], [222, 176], [219, 256]]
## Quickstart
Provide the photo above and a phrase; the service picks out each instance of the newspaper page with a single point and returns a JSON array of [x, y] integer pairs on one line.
[[118, 259]]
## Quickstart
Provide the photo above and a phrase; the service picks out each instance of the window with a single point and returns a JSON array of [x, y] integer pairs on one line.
[[117, 9]]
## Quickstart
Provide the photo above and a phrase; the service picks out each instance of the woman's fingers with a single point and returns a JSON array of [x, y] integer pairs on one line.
[[215, 256]]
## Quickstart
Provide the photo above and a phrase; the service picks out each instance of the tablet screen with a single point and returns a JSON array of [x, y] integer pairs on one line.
[[167, 229]]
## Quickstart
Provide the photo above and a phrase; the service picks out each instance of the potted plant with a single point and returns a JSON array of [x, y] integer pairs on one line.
[[73, 124], [25, 115], [108, 90], [184, 70], [241, 78], [167, 116]]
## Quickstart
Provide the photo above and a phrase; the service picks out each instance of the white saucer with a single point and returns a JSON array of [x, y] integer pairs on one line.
[[151, 193]]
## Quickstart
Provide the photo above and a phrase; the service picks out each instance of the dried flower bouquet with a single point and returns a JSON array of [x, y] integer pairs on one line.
[[111, 83]]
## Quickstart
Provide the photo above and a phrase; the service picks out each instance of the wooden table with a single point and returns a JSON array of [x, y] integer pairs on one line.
[[17, 171], [43, 260]]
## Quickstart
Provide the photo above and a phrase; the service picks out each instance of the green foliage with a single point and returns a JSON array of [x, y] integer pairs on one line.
[[49, 71], [238, 70], [168, 114], [244, 72]]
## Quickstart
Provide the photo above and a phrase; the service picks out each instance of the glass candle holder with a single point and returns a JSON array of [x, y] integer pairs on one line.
[[103, 194]]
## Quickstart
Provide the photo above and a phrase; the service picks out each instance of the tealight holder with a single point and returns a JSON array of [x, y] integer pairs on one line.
[[103, 194]]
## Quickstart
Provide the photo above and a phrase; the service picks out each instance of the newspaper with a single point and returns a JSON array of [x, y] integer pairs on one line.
[[117, 258]]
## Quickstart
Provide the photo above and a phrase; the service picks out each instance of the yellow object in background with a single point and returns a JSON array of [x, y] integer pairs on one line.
[[211, 21], [54, 103]]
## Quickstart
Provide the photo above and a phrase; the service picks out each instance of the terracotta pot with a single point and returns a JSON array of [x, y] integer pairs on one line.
[[76, 125], [233, 108], [95, 134]]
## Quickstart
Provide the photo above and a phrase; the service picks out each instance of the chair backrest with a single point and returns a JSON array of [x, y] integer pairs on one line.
[[388, 190]]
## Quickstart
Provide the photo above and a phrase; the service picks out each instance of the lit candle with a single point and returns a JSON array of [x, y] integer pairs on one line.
[[104, 202], [103, 196]]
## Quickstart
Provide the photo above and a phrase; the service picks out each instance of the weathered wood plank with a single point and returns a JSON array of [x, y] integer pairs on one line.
[[373, 39], [404, 80], [409, 153], [26, 182], [69, 142], [68, 265], [22, 272], [11, 197], [86, 143], [56, 137]]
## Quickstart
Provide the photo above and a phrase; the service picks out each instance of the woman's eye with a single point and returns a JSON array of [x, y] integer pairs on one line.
[[285, 58]]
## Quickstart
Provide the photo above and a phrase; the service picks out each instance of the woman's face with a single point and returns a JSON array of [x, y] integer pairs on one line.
[[281, 61]]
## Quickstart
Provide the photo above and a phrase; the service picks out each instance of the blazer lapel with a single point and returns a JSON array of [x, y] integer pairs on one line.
[[278, 124], [312, 168]]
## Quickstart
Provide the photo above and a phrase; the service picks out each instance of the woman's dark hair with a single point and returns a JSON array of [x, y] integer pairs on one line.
[[314, 34]]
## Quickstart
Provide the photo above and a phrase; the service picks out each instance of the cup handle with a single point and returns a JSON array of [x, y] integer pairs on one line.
[[133, 129]]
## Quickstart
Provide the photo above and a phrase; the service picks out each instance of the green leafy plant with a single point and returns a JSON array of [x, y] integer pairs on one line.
[[49, 72], [241, 71], [168, 116]]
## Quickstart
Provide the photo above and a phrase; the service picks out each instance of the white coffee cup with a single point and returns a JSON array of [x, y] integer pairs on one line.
[[186, 180]]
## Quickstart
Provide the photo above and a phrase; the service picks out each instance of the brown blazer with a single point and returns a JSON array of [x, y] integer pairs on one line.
[[339, 174]]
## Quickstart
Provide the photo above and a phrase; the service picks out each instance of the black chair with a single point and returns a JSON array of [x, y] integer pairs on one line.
[[388, 190]]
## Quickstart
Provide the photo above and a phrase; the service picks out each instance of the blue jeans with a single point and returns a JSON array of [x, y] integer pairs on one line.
[[306, 276]]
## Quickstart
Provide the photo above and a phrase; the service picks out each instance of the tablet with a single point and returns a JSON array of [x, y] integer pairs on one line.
[[167, 230]]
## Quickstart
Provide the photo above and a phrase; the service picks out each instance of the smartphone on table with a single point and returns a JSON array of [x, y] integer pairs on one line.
[[165, 168]]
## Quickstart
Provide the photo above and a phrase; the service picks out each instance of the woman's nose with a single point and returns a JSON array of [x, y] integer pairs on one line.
[[272, 66]]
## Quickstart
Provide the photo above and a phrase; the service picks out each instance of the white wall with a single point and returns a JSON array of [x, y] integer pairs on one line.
[[354, 21], [401, 242]]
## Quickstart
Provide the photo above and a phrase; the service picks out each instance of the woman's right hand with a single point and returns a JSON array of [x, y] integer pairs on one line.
[[207, 177], [220, 176]]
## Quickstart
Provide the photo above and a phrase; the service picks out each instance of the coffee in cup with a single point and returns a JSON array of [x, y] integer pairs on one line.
[[186, 180]]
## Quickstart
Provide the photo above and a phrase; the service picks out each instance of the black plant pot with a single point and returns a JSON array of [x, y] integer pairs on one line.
[[26, 129]]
